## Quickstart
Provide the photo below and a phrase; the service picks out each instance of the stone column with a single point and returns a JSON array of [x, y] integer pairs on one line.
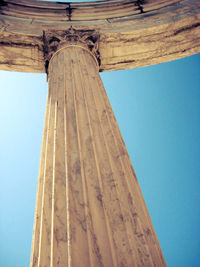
[[89, 208]]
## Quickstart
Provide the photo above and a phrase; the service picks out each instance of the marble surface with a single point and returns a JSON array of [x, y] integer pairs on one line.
[[89, 210]]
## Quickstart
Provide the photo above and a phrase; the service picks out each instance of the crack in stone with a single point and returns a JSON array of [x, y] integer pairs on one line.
[[187, 28]]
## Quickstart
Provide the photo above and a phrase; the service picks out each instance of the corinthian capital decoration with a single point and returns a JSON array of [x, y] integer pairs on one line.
[[54, 40]]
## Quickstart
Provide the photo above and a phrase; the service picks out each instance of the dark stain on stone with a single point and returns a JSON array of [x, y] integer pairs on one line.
[[187, 28], [96, 250], [139, 4], [99, 197], [140, 235], [126, 61], [77, 167], [111, 183], [2, 3], [18, 44], [122, 62], [46, 66], [148, 231], [134, 214], [82, 223], [130, 200], [7, 63], [121, 217], [122, 264], [69, 11]]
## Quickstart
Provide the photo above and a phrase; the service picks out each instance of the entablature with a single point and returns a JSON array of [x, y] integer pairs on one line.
[[132, 33]]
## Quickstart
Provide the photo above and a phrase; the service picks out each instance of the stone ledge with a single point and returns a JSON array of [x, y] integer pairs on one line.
[[132, 33]]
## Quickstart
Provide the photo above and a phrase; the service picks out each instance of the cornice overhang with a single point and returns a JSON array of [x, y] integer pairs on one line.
[[132, 33]]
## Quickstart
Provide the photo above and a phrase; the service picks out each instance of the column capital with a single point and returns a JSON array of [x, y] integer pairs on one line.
[[56, 40]]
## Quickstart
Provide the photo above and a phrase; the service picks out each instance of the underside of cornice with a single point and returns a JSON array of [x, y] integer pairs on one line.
[[132, 33]]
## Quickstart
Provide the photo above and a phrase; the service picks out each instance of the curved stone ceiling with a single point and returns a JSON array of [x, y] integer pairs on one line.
[[133, 33]]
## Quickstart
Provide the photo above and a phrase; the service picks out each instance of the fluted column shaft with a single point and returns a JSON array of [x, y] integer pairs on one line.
[[89, 209]]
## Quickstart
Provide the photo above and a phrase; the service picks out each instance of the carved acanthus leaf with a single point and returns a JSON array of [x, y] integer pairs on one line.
[[54, 40]]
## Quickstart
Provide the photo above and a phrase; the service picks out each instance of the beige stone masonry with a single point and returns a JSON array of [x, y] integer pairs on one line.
[[133, 33], [89, 210]]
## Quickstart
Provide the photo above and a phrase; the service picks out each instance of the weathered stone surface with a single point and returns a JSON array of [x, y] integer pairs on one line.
[[89, 209], [55, 40], [132, 33]]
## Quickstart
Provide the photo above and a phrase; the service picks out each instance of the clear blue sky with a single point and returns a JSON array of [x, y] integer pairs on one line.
[[158, 111]]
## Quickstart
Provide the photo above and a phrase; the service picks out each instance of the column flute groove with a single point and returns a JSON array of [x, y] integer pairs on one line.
[[107, 152], [96, 256], [99, 177], [121, 212], [128, 183], [122, 174], [44, 179], [66, 175], [109, 161], [94, 150], [38, 210], [145, 214], [78, 213], [53, 183], [81, 163], [85, 187]]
